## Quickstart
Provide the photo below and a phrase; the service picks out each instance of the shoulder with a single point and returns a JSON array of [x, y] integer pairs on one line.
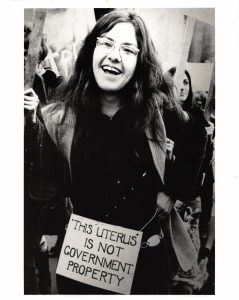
[[56, 109], [57, 112], [59, 120]]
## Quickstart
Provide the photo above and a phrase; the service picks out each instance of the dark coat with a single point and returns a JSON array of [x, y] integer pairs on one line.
[[183, 176]]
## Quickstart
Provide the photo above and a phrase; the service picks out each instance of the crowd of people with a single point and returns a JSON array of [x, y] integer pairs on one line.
[[118, 144]]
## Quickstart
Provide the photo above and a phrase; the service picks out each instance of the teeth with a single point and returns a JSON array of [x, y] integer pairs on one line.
[[111, 69]]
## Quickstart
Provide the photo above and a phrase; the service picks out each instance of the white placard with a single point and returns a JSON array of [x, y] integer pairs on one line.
[[99, 254]]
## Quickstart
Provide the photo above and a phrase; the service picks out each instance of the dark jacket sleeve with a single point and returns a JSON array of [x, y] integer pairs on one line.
[[46, 173], [183, 175]]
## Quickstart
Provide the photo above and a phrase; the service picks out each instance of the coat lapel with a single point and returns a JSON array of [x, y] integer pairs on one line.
[[158, 150], [60, 123]]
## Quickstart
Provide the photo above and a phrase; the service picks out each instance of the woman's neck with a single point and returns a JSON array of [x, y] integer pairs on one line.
[[110, 104]]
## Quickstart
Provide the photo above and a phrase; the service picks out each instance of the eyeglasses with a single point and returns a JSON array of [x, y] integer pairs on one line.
[[108, 45]]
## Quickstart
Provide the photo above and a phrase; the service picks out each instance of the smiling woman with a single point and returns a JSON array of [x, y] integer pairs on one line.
[[113, 67], [109, 130]]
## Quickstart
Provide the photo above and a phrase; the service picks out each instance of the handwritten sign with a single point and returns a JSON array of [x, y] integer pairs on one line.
[[99, 254]]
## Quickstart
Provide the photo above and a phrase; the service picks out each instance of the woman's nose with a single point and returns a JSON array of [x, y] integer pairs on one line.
[[114, 54]]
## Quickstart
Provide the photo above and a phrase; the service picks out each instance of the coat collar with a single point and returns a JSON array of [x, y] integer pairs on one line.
[[60, 121]]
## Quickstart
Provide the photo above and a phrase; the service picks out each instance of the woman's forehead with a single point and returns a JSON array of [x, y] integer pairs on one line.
[[123, 33]]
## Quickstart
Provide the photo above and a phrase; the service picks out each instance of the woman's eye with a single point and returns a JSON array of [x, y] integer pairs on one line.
[[107, 44], [128, 50], [185, 82]]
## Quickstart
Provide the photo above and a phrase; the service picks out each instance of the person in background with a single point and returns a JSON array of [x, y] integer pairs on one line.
[[108, 127], [189, 151], [46, 80], [37, 191], [200, 99], [207, 218]]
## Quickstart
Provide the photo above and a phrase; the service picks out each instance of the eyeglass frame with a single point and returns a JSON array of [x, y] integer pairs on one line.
[[113, 43]]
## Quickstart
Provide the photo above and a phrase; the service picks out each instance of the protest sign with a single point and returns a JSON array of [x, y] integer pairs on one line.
[[99, 254]]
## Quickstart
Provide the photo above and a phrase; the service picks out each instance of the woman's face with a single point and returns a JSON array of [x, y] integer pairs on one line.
[[115, 57], [184, 89]]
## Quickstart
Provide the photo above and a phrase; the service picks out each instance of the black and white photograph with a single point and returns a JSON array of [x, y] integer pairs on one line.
[[118, 132], [119, 148]]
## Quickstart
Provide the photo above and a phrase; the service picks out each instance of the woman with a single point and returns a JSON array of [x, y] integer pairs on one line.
[[109, 129], [189, 151], [190, 146]]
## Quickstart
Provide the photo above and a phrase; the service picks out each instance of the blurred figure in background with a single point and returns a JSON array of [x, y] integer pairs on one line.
[[46, 80], [190, 160], [38, 193], [207, 217]]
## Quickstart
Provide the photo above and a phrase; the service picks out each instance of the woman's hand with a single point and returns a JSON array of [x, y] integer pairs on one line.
[[210, 128], [165, 205], [179, 205], [169, 148], [31, 102]]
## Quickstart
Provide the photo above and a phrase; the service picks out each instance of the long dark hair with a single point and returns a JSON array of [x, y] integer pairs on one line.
[[188, 103], [147, 89]]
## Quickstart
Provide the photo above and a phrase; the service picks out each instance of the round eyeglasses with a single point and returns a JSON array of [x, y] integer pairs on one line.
[[108, 45]]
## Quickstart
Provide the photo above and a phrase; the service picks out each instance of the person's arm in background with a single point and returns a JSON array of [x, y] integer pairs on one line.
[[50, 79], [31, 103], [183, 171], [182, 177], [40, 149]]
